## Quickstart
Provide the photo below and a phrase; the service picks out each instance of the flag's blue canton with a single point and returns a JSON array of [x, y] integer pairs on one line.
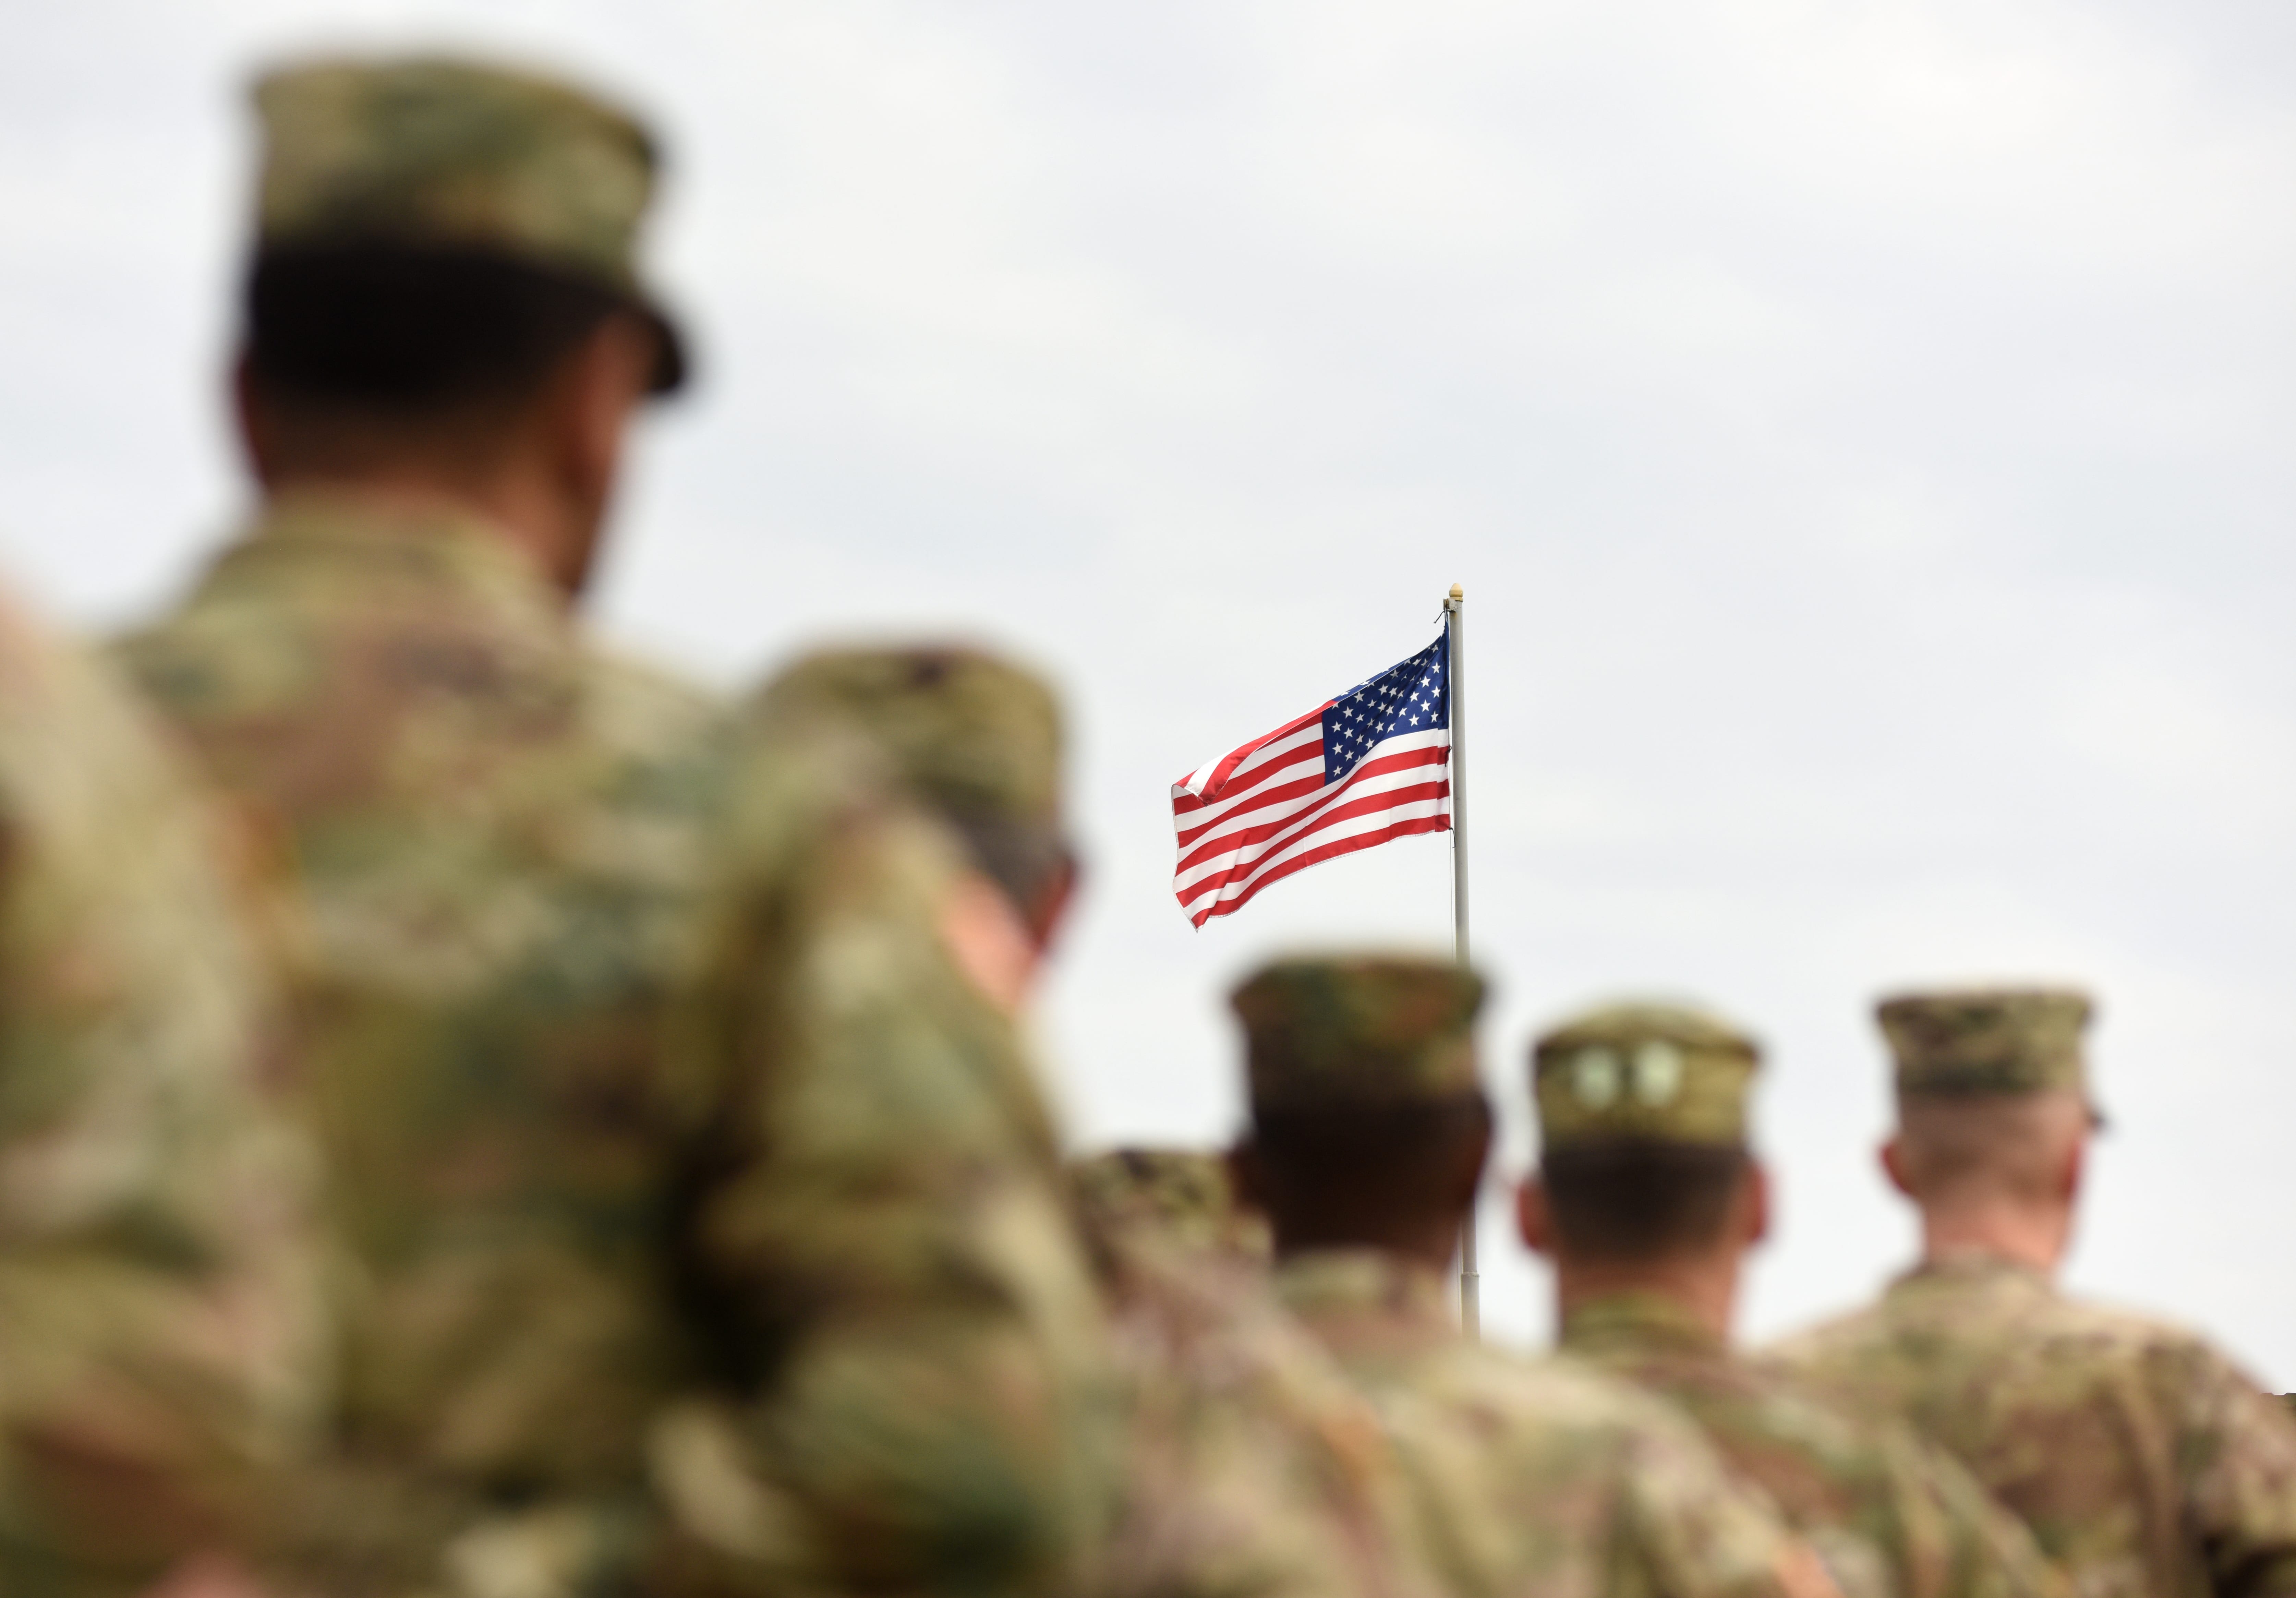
[[1412, 697]]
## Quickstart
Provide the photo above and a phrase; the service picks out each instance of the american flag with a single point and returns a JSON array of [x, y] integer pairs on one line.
[[1370, 765]]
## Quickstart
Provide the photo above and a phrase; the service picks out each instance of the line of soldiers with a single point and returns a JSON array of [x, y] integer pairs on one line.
[[479, 1118]]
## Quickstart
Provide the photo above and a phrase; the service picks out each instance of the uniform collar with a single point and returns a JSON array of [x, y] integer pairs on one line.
[[1972, 1266], [406, 542], [1334, 1281], [1635, 1322]]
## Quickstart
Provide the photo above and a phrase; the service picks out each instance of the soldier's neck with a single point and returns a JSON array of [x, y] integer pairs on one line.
[[520, 508], [2034, 1237], [1704, 1285], [1430, 1241]]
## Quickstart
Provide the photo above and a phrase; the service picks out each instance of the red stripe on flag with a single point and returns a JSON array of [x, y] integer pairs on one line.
[[1367, 804], [1264, 810], [1344, 845], [1241, 832]]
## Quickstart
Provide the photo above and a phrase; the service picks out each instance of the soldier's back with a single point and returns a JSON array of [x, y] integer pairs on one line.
[[1533, 1477], [2143, 1460], [1251, 1462], [491, 838], [158, 1298], [1889, 1513]]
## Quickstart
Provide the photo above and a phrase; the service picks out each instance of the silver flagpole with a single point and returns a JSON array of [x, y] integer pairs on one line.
[[1455, 628]]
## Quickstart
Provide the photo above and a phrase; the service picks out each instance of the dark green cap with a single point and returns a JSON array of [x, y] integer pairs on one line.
[[1357, 1029], [978, 736], [1988, 1040], [435, 152], [1644, 1070]]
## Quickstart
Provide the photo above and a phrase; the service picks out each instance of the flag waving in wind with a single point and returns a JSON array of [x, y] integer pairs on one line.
[[1371, 764]]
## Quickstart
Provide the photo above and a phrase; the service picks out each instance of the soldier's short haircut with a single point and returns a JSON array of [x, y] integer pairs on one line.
[[1976, 1144], [410, 330], [1637, 1199], [1398, 1156]]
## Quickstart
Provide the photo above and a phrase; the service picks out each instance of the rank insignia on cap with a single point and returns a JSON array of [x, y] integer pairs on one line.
[[1644, 1070]]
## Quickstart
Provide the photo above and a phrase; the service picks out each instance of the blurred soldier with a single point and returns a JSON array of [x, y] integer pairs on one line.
[[1185, 1197], [518, 861], [160, 1349], [2144, 1460], [1647, 1200], [1256, 1465], [1369, 1130], [1250, 1465]]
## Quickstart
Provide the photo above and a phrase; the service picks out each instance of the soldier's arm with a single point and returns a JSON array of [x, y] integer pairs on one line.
[[159, 1308], [897, 1299], [1959, 1541], [1695, 1531], [2236, 1458]]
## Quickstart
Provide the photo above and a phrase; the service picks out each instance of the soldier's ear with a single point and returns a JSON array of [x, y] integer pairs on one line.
[[1758, 1202], [1247, 1174], [2070, 1173], [1051, 906], [1532, 1217], [1892, 1154], [255, 442]]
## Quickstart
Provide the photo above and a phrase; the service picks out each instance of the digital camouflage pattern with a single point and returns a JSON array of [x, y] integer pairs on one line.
[[1644, 1070], [492, 840], [2143, 1461], [1358, 1028], [1530, 1478], [1183, 1197], [940, 1410], [1988, 1040], [702, 1217], [976, 735], [1248, 1464], [438, 152], [977, 740], [160, 1301], [1252, 1466], [1891, 1517]]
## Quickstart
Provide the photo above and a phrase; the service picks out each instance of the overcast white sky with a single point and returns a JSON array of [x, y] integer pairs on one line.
[[1863, 431]]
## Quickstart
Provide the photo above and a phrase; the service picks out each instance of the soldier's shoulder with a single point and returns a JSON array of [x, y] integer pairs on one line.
[[1562, 1400], [2187, 1369], [790, 776], [636, 705], [1843, 1336]]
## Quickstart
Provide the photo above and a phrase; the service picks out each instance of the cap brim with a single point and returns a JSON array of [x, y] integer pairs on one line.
[[670, 366]]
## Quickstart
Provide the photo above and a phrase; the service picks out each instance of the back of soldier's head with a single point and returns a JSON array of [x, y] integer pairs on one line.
[[1992, 1089], [434, 235], [1642, 1110], [977, 736], [1367, 1103]]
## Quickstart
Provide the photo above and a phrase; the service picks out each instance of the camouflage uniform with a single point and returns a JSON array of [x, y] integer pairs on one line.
[[2143, 1461], [1524, 1477], [1889, 1516], [1183, 1197], [159, 1294], [703, 1225], [1249, 1465], [1254, 1465]]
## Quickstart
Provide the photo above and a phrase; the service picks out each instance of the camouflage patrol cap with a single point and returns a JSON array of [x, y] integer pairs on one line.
[[431, 151], [976, 735], [2004, 1040], [1354, 1029], [1644, 1070]]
